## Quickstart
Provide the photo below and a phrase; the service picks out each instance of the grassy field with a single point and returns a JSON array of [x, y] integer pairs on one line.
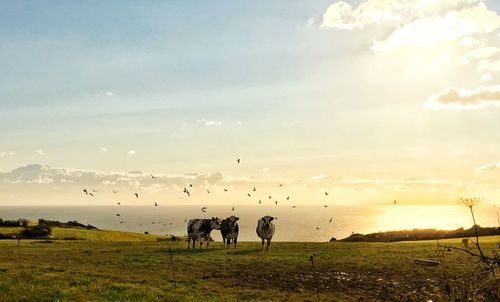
[[120, 266]]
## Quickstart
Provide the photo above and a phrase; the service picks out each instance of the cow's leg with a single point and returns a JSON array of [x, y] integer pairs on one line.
[[262, 243], [194, 241], [189, 241], [235, 240], [201, 243], [208, 241], [268, 244]]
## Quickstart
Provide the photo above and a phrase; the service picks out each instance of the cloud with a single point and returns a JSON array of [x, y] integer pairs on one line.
[[460, 99], [415, 23], [342, 15], [426, 32], [103, 150], [213, 123], [479, 53], [489, 65], [39, 152], [131, 153], [486, 77], [5, 154], [489, 167], [109, 93]]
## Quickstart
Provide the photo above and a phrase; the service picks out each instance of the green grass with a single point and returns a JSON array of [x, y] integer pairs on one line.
[[120, 266]]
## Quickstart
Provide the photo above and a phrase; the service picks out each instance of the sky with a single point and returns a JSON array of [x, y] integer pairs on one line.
[[370, 101]]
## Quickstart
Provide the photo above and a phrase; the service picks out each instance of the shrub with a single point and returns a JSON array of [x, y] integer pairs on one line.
[[38, 231]]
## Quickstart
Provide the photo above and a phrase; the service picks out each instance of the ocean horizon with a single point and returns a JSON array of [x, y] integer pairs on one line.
[[306, 223]]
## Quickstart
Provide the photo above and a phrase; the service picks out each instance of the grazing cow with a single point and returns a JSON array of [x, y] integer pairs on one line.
[[229, 230], [200, 229], [265, 230]]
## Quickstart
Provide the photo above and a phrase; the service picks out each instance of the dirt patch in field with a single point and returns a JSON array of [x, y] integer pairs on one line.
[[373, 285]]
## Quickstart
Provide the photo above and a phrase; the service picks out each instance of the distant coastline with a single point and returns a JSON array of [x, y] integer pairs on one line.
[[420, 234]]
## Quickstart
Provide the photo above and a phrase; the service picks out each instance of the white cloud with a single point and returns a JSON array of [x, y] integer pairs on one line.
[[103, 150], [486, 77], [213, 123], [131, 153], [489, 65], [39, 152], [489, 167], [479, 53], [426, 32], [110, 93], [459, 99], [10, 153], [341, 15]]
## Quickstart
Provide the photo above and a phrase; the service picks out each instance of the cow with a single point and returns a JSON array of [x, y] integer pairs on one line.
[[265, 230], [200, 229], [229, 230]]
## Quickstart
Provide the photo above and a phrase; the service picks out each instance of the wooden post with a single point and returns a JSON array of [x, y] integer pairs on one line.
[[172, 266], [315, 277]]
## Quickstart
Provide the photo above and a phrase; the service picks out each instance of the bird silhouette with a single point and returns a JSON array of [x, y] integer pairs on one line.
[[394, 201], [317, 228], [288, 198], [136, 195], [156, 204], [276, 202], [121, 222], [293, 207], [260, 201], [326, 206], [187, 192], [238, 160], [225, 190], [254, 189], [269, 196], [91, 194], [326, 193], [115, 191], [118, 203], [85, 191], [204, 209], [208, 191], [249, 194], [233, 209], [281, 185], [117, 214], [330, 220]]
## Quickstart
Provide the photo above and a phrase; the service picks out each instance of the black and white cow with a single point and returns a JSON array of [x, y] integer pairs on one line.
[[265, 230], [200, 229], [229, 230]]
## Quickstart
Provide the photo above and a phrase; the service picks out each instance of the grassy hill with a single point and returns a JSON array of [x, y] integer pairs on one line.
[[121, 266]]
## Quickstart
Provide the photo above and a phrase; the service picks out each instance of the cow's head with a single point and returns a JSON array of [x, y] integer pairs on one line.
[[232, 220], [215, 223], [267, 221]]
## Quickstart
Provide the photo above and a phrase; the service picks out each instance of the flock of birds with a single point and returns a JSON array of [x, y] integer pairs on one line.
[[91, 193]]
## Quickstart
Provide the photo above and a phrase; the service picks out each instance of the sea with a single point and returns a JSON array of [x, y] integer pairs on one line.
[[311, 223]]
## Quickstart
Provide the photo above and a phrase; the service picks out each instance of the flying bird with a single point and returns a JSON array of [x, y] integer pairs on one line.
[[85, 191], [260, 201], [326, 193], [136, 195], [117, 214], [326, 206], [330, 220], [281, 185], [115, 191], [276, 202], [394, 201], [233, 209], [204, 209], [187, 192], [152, 176], [288, 198], [118, 203], [249, 194], [156, 204], [91, 194], [121, 222], [269, 196], [238, 160], [190, 185], [225, 190], [208, 191], [317, 228], [254, 189]]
